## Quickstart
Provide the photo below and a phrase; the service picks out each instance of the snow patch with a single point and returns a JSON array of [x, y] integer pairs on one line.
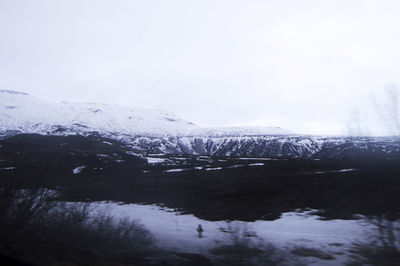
[[256, 159], [336, 171], [9, 168], [176, 170], [175, 231], [179, 159], [236, 166], [78, 169], [213, 169], [153, 160]]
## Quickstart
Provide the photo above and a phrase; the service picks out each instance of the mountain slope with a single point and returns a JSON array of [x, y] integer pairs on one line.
[[28, 114], [24, 113], [149, 131]]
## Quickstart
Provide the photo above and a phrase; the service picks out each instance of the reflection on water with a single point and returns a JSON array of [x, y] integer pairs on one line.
[[298, 233]]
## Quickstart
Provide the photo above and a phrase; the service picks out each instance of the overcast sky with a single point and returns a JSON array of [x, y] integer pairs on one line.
[[301, 64]]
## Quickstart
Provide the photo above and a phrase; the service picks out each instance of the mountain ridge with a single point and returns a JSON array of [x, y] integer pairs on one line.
[[149, 131], [23, 112]]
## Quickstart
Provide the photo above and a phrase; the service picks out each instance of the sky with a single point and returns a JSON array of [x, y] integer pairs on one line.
[[312, 66]]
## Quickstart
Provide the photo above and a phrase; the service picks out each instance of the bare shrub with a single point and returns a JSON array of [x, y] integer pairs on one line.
[[37, 228], [312, 252], [239, 247], [383, 248]]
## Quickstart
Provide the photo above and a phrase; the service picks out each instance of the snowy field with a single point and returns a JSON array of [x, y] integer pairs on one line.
[[176, 232]]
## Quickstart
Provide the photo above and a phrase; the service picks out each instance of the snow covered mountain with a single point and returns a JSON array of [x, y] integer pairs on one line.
[[149, 131], [251, 146], [21, 112]]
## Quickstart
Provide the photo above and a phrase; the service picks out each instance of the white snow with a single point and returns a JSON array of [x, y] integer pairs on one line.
[[236, 166], [176, 170], [213, 168], [204, 160], [256, 164], [178, 232], [336, 171], [346, 170], [9, 168], [78, 169], [154, 160], [179, 159], [255, 159], [28, 114]]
